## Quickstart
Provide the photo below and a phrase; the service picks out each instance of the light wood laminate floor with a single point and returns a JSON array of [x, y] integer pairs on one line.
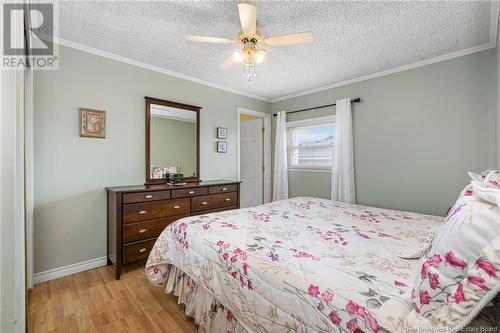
[[93, 301]]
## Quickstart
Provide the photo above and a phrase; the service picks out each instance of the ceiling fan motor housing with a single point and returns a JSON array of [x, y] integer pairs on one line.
[[249, 53], [245, 38]]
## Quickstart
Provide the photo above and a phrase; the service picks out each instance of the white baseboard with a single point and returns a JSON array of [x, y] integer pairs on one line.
[[55, 273]]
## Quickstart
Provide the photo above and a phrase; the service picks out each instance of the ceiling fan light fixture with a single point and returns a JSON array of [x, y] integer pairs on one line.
[[249, 72], [249, 58], [259, 57], [238, 56]]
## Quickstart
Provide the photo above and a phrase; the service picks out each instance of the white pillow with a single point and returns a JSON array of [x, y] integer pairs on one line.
[[460, 274], [479, 176]]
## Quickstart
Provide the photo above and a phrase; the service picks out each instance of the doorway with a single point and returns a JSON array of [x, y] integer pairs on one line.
[[254, 157]]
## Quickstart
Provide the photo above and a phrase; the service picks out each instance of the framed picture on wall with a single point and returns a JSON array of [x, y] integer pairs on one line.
[[221, 133], [221, 146], [92, 123]]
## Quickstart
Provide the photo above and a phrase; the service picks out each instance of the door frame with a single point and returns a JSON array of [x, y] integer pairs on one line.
[[266, 117]]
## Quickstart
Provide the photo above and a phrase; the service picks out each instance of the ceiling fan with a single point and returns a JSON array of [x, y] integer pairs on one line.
[[248, 39]]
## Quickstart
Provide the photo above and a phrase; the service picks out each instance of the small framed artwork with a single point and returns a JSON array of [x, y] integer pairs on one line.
[[221, 133], [156, 172], [92, 123], [221, 146]]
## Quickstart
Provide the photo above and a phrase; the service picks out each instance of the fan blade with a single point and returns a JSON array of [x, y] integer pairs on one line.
[[269, 58], [248, 19], [208, 39], [298, 38], [228, 62]]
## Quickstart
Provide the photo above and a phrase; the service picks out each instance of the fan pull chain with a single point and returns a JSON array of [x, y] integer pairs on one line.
[[249, 72]]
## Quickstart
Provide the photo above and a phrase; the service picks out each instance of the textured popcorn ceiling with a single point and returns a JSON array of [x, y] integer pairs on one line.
[[352, 39]]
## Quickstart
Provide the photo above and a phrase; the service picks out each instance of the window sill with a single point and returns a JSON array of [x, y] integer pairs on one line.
[[311, 169]]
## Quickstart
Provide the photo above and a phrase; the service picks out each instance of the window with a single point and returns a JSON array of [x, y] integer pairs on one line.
[[310, 143]]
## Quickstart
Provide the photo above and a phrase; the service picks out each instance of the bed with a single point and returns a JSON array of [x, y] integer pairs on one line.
[[297, 265]]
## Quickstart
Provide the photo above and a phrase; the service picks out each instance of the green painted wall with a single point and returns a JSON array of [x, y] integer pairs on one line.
[[416, 133], [307, 183], [173, 142], [70, 172]]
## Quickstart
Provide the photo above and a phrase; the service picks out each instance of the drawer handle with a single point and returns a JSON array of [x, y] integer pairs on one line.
[[142, 231], [191, 192], [227, 199], [142, 250], [149, 196], [204, 203], [177, 207], [224, 189], [142, 212]]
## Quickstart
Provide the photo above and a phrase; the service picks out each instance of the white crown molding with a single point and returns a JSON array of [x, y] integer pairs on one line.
[[129, 61], [492, 44], [390, 71], [55, 273]]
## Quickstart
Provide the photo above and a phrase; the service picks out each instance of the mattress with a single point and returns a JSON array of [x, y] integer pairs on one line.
[[302, 264]]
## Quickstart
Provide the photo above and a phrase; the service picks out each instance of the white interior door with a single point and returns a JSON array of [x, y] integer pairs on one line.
[[251, 162]]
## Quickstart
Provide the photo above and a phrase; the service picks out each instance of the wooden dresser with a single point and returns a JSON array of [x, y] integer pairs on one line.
[[138, 214]]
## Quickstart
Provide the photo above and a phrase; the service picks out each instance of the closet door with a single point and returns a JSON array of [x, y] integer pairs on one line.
[[251, 162]]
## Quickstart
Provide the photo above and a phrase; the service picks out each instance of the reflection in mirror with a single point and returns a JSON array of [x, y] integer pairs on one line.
[[172, 141]]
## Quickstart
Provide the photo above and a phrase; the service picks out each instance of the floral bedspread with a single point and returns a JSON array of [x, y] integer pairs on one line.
[[297, 265]]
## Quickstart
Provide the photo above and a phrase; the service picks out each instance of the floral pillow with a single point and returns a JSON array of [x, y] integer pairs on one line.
[[460, 274]]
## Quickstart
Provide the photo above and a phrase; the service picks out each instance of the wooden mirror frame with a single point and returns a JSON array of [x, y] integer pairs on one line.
[[151, 100]]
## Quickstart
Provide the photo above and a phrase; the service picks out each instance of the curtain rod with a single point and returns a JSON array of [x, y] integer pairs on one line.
[[354, 100]]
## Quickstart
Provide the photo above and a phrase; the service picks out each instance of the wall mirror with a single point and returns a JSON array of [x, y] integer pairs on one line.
[[172, 140]]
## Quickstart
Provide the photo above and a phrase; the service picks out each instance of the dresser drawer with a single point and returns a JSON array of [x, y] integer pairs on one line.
[[143, 230], [145, 196], [155, 210], [214, 210], [137, 251], [222, 189], [208, 202], [189, 192]]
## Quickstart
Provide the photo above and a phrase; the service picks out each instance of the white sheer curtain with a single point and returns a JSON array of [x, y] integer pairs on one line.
[[280, 181], [343, 160]]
